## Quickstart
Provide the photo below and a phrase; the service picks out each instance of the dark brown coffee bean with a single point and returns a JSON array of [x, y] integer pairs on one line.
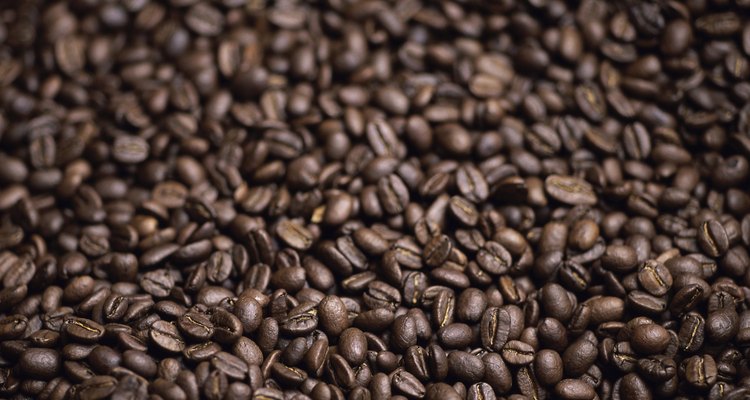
[[591, 102], [463, 211], [655, 278], [157, 283], [692, 332], [301, 320], [548, 367], [494, 258], [196, 326], [40, 363], [353, 346], [332, 315], [649, 339], [407, 384], [130, 149], [570, 190], [97, 387], [700, 371], [166, 336], [393, 194], [579, 356], [516, 352], [712, 238], [465, 367], [495, 328], [139, 362], [294, 235], [574, 389], [436, 251], [472, 183], [82, 330]]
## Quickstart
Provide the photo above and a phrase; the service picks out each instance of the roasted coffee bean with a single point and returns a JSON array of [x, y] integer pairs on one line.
[[655, 278], [407, 384], [516, 352], [82, 330], [441, 391], [332, 315], [574, 389], [570, 190], [465, 367], [196, 326], [712, 238], [40, 363], [130, 149], [494, 258], [157, 283], [248, 312], [649, 339], [339, 202], [436, 251], [658, 368], [393, 194], [700, 371], [404, 330], [294, 235], [166, 336], [301, 320], [527, 383], [548, 367], [353, 346], [579, 356], [464, 211], [98, 387], [692, 332], [415, 362]]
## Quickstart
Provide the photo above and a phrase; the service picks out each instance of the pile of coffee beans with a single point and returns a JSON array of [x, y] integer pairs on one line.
[[371, 199]]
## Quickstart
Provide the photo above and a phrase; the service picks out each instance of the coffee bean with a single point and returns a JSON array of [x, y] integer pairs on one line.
[[407, 384], [158, 282], [700, 371], [209, 211], [381, 295], [712, 238], [570, 190], [166, 336], [463, 211], [393, 194], [649, 339], [353, 346], [82, 330], [692, 332], [472, 183], [574, 389], [195, 325], [97, 387], [294, 235], [579, 356], [301, 320], [527, 383], [465, 367], [130, 149], [494, 258], [516, 352], [40, 363], [332, 315], [591, 102], [657, 368], [404, 330], [619, 258], [655, 277]]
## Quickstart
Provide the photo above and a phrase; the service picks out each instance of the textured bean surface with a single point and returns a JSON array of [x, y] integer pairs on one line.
[[374, 199]]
